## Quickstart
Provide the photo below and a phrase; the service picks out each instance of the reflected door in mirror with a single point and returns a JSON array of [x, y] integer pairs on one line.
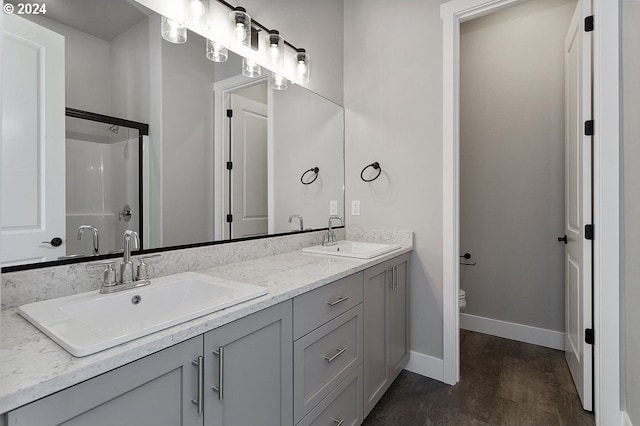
[[33, 161]]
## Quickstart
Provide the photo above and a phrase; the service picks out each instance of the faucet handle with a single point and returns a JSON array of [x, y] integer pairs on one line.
[[142, 271], [109, 275]]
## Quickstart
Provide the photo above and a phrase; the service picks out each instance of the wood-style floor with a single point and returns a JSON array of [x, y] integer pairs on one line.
[[502, 382]]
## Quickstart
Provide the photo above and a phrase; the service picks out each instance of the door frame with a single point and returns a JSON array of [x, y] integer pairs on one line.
[[221, 90], [606, 195]]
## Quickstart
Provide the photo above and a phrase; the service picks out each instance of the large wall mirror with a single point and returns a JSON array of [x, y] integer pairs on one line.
[[108, 127]]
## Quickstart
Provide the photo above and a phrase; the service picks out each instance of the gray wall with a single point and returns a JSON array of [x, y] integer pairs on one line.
[[87, 70], [314, 25], [393, 114], [630, 233], [187, 142], [307, 132], [512, 162]]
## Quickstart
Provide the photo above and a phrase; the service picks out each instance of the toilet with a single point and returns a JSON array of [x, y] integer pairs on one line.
[[462, 300]]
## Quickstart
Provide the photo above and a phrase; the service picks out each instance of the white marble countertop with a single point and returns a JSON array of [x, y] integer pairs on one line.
[[33, 366]]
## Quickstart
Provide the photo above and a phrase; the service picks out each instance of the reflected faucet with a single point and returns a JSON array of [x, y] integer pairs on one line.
[[299, 217], [96, 238], [330, 237]]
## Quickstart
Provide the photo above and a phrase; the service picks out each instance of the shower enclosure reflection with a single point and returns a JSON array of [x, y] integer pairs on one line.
[[102, 182]]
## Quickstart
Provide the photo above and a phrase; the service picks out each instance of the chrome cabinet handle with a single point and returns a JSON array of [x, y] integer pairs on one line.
[[336, 301], [338, 422], [340, 352], [220, 388], [200, 401], [390, 270], [395, 277]]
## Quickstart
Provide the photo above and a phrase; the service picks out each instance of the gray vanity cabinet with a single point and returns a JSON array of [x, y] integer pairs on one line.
[[386, 336], [248, 370], [155, 390]]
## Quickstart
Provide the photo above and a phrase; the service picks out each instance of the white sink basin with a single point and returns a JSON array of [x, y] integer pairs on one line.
[[90, 322], [353, 249]]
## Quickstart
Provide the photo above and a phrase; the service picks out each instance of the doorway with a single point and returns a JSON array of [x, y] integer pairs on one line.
[[606, 195], [512, 181], [241, 146]]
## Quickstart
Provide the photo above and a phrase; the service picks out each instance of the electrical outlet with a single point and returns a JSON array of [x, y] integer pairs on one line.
[[333, 207], [355, 208]]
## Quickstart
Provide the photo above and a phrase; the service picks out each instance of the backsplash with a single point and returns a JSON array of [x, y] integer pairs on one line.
[[34, 285]]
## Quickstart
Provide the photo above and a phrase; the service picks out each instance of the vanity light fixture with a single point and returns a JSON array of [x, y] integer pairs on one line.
[[275, 49], [302, 66], [241, 24], [278, 82], [216, 52], [173, 31], [250, 68]]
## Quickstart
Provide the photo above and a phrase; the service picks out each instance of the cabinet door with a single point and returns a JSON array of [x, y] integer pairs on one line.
[[248, 370], [376, 333], [398, 318], [156, 390]]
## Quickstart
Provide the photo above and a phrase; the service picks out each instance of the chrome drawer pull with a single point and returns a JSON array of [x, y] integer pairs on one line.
[[220, 388], [340, 352], [336, 301], [200, 401], [338, 422]]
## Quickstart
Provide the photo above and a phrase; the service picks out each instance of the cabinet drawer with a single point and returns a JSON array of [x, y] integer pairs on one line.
[[325, 357], [343, 404], [312, 309]]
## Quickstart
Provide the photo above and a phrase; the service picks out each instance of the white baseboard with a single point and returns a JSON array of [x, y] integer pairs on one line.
[[626, 421], [510, 330], [426, 365]]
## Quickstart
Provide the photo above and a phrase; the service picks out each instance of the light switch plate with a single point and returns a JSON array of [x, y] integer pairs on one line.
[[355, 208], [333, 207]]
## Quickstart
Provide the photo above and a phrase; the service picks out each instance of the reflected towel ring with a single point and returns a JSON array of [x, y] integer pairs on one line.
[[314, 170], [376, 166]]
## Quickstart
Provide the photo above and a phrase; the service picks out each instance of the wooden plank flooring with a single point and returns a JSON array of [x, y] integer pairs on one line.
[[502, 382]]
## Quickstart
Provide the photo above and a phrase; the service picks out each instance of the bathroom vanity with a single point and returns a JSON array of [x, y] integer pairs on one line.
[[320, 347]]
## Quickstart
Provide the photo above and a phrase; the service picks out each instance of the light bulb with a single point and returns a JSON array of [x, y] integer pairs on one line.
[[240, 33], [302, 67], [278, 82], [250, 68], [240, 27], [198, 8], [173, 31], [276, 49], [216, 52]]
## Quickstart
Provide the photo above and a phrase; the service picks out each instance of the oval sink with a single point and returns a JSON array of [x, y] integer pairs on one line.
[[90, 322], [353, 249]]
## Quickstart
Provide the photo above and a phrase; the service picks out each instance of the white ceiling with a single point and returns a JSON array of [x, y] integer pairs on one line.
[[104, 19]]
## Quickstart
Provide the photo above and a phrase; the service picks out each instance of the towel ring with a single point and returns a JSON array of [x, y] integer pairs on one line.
[[376, 166], [314, 170]]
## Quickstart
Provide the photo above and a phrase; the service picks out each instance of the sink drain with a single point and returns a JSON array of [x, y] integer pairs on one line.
[[136, 299]]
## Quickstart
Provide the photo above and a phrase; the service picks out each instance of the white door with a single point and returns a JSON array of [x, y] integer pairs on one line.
[[33, 143], [249, 173], [578, 275]]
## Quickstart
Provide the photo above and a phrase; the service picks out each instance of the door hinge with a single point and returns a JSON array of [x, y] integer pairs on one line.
[[588, 128], [229, 113], [588, 24], [588, 232], [229, 218], [229, 165], [589, 336]]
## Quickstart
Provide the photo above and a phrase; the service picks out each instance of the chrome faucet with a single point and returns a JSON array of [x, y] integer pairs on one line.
[[299, 217], [96, 237], [113, 282], [126, 267], [330, 237]]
